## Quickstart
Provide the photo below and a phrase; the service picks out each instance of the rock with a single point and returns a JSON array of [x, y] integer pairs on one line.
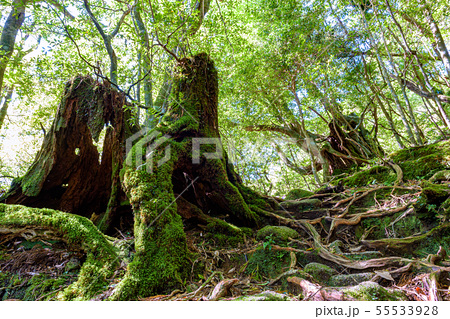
[[320, 272], [265, 296], [298, 193], [299, 205], [371, 291], [349, 280], [281, 233]]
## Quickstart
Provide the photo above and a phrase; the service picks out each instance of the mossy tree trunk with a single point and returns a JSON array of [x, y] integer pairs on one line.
[[68, 173], [181, 186], [348, 144]]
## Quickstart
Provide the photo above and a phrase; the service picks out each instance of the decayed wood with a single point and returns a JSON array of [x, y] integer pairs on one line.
[[67, 173]]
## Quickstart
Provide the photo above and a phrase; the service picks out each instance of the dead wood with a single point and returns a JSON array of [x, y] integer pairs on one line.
[[68, 173], [222, 289]]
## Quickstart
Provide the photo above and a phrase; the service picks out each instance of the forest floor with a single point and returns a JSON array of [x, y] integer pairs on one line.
[[378, 234]]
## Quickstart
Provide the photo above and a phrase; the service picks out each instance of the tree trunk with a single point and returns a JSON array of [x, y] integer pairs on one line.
[[5, 105], [190, 180], [440, 44], [67, 173], [349, 144], [9, 33], [169, 175]]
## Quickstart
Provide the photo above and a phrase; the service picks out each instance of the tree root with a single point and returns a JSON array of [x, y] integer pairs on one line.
[[222, 289], [316, 292], [356, 219], [402, 244], [77, 232]]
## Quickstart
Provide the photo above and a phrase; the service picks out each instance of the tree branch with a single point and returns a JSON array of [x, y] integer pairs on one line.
[[60, 7], [122, 19], [271, 128]]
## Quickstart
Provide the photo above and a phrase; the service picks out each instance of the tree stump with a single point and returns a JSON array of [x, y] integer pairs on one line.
[[200, 188], [68, 173]]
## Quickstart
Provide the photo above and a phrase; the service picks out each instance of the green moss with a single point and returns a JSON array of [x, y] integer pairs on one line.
[[253, 198], [301, 205], [363, 255], [373, 175], [265, 296], [37, 287], [349, 280], [431, 203], [101, 256], [267, 263], [417, 245], [278, 233], [414, 153], [423, 162], [371, 291], [404, 227], [435, 192], [321, 273], [297, 194], [437, 237], [440, 176], [225, 234], [161, 260]]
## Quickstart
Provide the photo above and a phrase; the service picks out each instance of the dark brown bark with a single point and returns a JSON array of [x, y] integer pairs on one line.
[[67, 173]]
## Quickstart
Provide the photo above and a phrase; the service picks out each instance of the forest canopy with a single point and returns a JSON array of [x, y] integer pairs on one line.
[[331, 115]]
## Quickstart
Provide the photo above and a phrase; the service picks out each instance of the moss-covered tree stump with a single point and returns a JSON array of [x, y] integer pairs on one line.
[[199, 189]]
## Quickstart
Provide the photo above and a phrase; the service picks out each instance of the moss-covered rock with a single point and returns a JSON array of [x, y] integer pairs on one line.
[[435, 193], [321, 273], [424, 161], [297, 194], [278, 233], [430, 205], [226, 234], [349, 280], [371, 291], [373, 175]]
